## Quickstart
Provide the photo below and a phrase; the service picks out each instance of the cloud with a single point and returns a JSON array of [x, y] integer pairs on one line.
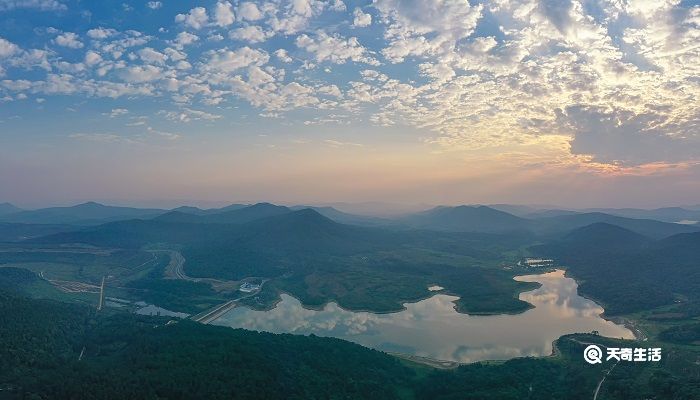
[[116, 112], [249, 11], [334, 48], [252, 34], [41, 5], [483, 75], [150, 56], [361, 19], [225, 60], [223, 14], [419, 28], [283, 55], [337, 144], [154, 5], [142, 73], [164, 134], [103, 138], [197, 18], [188, 114], [7, 48], [292, 17], [184, 39], [101, 33], [69, 39], [619, 136]]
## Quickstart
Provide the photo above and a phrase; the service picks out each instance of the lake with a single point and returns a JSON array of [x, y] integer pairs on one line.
[[432, 328]]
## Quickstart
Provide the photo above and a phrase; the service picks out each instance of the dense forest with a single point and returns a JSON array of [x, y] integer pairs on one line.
[[139, 357], [628, 272]]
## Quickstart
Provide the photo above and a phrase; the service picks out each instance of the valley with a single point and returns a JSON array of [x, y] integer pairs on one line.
[[430, 296]]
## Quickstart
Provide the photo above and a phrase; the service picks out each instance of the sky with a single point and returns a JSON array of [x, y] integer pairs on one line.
[[579, 103]]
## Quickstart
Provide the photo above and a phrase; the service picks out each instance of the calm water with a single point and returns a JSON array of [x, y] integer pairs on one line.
[[432, 328]]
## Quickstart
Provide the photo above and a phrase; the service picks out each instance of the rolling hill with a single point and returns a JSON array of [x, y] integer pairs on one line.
[[607, 237], [7, 208], [230, 215], [90, 213], [564, 223], [347, 218], [10, 232], [628, 272], [466, 219], [667, 214]]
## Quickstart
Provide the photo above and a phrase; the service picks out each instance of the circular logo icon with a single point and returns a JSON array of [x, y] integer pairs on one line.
[[593, 354]]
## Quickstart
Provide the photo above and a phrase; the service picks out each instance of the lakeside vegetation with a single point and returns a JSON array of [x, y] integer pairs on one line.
[[653, 283], [141, 357]]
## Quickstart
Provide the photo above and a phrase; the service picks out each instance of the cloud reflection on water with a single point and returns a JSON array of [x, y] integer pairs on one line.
[[432, 328]]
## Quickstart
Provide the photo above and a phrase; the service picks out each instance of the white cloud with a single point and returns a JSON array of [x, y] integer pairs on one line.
[[92, 58], [338, 143], [69, 39], [142, 73], [338, 5], [361, 19], [70, 67], [249, 11], [42, 5], [225, 60], [295, 15], [7, 48], [334, 48], [283, 56], [166, 135], [188, 115], [197, 18], [635, 63], [31, 59], [252, 34], [411, 21], [184, 39], [154, 5], [151, 56], [223, 14], [101, 33], [116, 112], [103, 138]]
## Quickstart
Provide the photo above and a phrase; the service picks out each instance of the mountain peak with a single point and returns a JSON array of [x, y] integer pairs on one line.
[[90, 204], [8, 208], [606, 235], [467, 219]]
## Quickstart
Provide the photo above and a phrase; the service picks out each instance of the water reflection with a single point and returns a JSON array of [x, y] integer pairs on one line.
[[432, 328]]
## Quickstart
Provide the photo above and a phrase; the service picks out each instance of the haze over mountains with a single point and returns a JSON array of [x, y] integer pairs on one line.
[[482, 219], [271, 240]]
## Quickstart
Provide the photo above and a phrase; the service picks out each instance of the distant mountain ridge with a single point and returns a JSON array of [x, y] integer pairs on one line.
[[489, 220], [466, 219], [476, 219], [90, 213], [603, 235], [7, 208], [229, 215], [647, 227]]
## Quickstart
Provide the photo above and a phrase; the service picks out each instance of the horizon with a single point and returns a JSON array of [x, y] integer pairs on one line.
[[356, 199], [444, 102], [369, 208]]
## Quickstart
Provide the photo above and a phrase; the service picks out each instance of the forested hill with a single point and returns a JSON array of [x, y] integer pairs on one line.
[[137, 357], [628, 272]]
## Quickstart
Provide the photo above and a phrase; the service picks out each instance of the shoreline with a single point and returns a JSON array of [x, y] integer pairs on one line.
[[449, 364], [617, 320]]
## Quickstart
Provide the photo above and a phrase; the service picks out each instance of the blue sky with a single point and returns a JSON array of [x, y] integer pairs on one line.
[[444, 101]]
